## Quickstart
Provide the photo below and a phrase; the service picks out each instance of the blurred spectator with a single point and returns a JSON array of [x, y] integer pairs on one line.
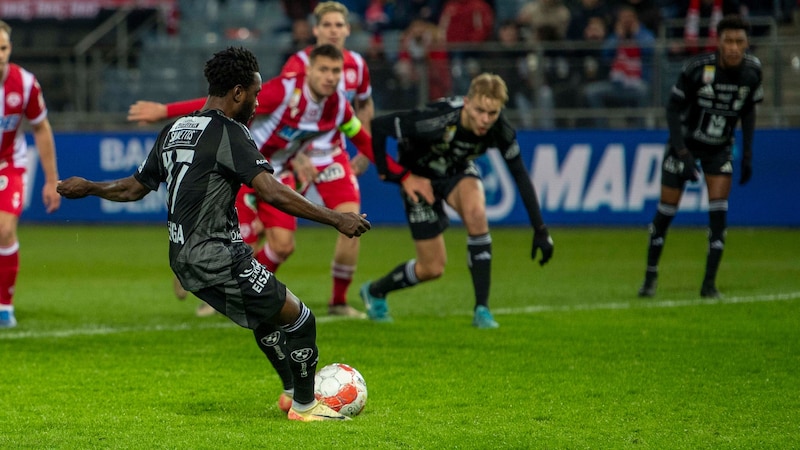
[[298, 9], [630, 50], [398, 14], [465, 22], [509, 60], [302, 37], [554, 67], [581, 13], [508, 9], [782, 10], [585, 65], [423, 55], [538, 13], [647, 10], [699, 37], [377, 16], [591, 65]]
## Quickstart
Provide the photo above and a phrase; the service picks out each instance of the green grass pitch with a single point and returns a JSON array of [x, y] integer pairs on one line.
[[105, 357]]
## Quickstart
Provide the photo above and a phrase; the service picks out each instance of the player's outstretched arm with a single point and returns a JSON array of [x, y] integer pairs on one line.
[[287, 200], [122, 190], [46, 146], [146, 112]]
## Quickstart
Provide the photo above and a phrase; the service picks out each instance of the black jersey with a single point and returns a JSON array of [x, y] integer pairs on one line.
[[712, 99], [432, 143], [204, 159]]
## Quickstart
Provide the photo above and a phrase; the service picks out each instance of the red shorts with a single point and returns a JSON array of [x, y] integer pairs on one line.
[[12, 189], [335, 184]]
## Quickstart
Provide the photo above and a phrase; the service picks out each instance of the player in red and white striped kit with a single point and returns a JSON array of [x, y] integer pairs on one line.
[[22, 99], [332, 27]]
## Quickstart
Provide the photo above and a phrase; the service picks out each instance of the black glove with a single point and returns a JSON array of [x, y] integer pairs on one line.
[[747, 171], [542, 241], [689, 165]]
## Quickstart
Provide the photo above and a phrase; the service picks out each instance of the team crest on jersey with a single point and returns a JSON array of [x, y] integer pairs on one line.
[[708, 74], [313, 112], [13, 99], [449, 133], [350, 76]]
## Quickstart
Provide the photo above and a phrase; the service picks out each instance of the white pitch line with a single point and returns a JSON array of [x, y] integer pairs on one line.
[[637, 304], [647, 303]]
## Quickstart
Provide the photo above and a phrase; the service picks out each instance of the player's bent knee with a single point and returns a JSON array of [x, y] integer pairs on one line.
[[281, 250], [429, 273], [8, 234]]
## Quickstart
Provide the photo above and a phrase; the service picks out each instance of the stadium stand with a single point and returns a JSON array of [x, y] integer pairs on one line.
[[92, 67]]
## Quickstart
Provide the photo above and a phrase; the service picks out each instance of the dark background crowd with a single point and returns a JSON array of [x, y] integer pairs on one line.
[[566, 62]]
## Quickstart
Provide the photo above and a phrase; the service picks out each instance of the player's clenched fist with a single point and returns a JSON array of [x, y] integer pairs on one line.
[[352, 224], [74, 187]]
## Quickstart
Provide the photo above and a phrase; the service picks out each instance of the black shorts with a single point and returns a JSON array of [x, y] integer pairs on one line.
[[713, 161], [250, 297], [428, 221]]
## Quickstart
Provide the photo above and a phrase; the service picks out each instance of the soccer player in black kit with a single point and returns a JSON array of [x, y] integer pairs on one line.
[[204, 158], [713, 92], [438, 144]]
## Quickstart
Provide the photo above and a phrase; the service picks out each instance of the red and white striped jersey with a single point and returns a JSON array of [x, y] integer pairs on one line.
[[355, 80], [22, 97], [287, 120]]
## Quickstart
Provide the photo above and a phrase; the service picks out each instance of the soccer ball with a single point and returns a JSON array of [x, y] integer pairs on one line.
[[342, 388]]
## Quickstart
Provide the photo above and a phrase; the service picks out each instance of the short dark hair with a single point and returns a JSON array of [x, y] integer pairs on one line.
[[229, 68], [733, 22], [326, 50]]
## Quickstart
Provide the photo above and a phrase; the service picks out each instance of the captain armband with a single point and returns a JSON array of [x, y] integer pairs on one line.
[[351, 127]]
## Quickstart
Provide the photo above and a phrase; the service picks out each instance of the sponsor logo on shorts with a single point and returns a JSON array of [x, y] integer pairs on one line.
[[257, 275], [673, 165], [333, 172], [421, 213]]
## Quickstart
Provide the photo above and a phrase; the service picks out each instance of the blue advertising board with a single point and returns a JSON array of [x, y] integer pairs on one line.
[[583, 177]]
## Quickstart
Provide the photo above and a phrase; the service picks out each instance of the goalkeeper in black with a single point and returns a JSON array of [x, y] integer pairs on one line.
[[436, 149], [204, 158], [713, 92]]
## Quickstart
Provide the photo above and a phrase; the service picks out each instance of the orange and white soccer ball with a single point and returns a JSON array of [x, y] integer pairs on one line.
[[342, 388]]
